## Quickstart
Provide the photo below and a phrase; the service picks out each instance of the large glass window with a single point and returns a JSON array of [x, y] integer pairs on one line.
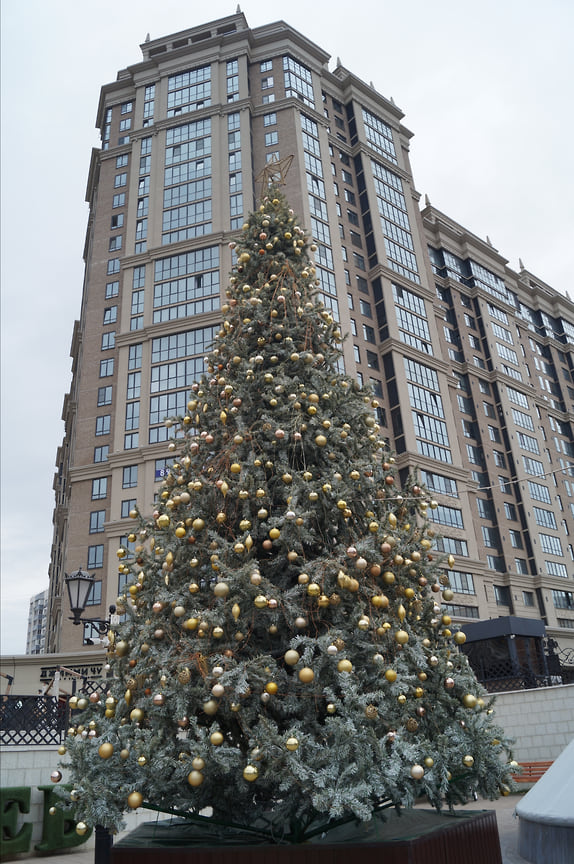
[[97, 519], [99, 488], [95, 557]]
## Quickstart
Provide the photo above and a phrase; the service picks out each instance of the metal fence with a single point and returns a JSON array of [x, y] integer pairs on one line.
[[33, 719]]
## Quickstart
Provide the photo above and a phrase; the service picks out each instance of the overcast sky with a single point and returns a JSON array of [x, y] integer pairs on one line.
[[486, 88]]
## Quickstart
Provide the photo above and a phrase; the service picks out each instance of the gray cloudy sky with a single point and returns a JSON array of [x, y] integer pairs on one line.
[[485, 86]]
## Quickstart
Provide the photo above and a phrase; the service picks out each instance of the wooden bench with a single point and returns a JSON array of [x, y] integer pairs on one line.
[[531, 771]]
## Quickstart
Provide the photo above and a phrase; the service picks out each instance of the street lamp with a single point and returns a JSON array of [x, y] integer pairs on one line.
[[79, 585]]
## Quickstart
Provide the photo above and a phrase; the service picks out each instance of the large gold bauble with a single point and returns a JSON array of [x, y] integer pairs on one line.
[[344, 666], [135, 800], [195, 778], [81, 828], [105, 750], [142, 760], [402, 699], [429, 762], [402, 637], [198, 763], [291, 657], [124, 753], [271, 687], [163, 520], [292, 743], [216, 739], [306, 675], [459, 637], [122, 648], [469, 700], [82, 703], [391, 675], [137, 715], [250, 773], [417, 771], [468, 761], [210, 707]]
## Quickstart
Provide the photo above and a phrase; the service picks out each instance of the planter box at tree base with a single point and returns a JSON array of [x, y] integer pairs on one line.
[[414, 837]]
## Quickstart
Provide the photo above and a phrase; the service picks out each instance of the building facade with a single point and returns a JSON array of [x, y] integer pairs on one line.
[[37, 623], [472, 363]]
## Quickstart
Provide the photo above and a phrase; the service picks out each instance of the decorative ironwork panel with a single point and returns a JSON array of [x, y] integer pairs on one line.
[[33, 719]]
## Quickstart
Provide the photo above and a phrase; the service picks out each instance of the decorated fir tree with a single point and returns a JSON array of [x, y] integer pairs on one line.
[[284, 659]]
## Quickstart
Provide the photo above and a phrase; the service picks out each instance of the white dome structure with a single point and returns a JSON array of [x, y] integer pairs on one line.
[[546, 813]]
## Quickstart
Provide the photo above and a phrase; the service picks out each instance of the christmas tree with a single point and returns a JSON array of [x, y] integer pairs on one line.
[[284, 657]]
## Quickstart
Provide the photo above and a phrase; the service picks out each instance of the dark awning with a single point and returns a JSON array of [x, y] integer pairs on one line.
[[506, 626]]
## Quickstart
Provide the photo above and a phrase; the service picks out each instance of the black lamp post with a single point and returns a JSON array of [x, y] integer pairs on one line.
[[79, 586]]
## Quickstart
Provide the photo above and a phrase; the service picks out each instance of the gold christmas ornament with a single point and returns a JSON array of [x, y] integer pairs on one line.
[[105, 750], [81, 829], [291, 657], [250, 773], [402, 637], [468, 761], [417, 772], [195, 778], [135, 800], [344, 666], [292, 744], [306, 675], [142, 761], [469, 700]]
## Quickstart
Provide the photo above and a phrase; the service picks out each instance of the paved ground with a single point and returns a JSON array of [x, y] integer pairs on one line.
[[504, 807]]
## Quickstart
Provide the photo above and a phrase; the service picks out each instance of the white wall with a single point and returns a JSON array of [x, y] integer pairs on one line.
[[541, 721]]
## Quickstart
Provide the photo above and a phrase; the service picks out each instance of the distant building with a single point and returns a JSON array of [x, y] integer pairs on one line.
[[37, 623], [472, 362]]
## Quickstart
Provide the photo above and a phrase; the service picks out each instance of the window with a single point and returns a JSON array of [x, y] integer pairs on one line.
[[95, 595], [120, 180], [117, 222], [135, 356], [131, 440], [99, 488], [522, 419], [267, 83], [101, 453], [551, 545], [270, 119], [349, 197], [527, 442], [510, 511], [134, 385], [115, 243], [372, 360], [347, 177], [97, 519], [450, 516], [126, 108], [521, 566], [489, 409], [533, 466], [112, 290], [452, 546], [485, 508], [132, 415], [95, 557], [516, 539], [127, 505], [439, 483], [545, 518], [462, 583], [271, 138], [106, 367], [119, 200], [113, 266], [494, 434], [369, 334], [490, 536], [104, 396], [539, 492], [130, 477], [556, 568], [504, 485], [563, 599], [162, 468], [496, 562], [108, 340], [103, 424], [502, 595], [266, 66]]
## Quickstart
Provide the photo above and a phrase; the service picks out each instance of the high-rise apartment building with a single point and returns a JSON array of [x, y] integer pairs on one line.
[[472, 362], [37, 623]]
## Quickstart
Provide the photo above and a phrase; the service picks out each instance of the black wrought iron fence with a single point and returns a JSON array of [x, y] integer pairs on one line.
[[33, 719]]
